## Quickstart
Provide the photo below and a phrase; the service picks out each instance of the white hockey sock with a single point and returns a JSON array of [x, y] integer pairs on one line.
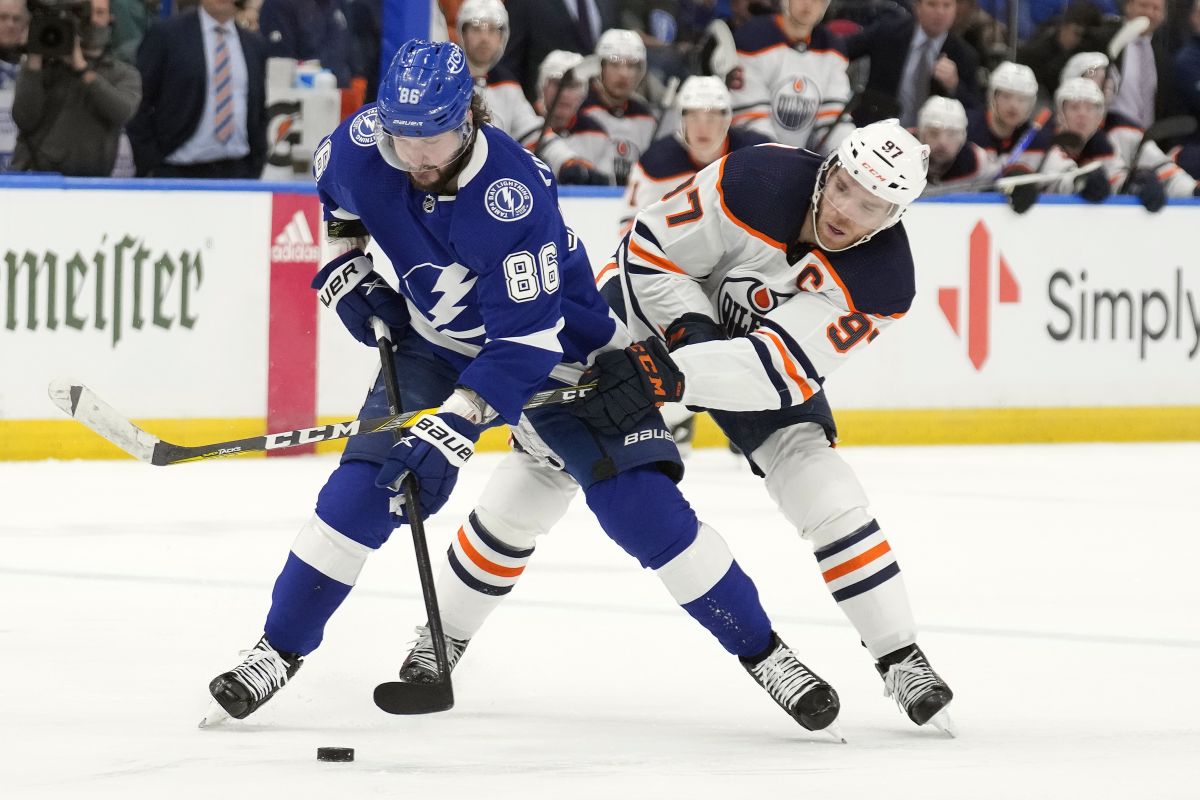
[[862, 574], [480, 570]]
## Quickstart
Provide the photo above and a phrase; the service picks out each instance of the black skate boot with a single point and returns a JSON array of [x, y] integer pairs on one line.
[[798, 690], [421, 664], [918, 690], [239, 692]]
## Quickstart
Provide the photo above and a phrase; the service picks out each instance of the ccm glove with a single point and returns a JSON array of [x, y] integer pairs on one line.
[[629, 384], [1095, 187], [693, 328], [351, 286], [1146, 186], [432, 449]]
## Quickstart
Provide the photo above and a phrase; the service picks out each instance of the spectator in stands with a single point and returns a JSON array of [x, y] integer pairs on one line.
[[131, 20], [987, 35], [611, 105], [1049, 49], [1187, 83], [1146, 92], [248, 14], [70, 111], [914, 57], [539, 26], [1002, 124], [791, 84], [953, 161], [14, 26], [365, 18], [673, 32], [203, 112], [309, 30]]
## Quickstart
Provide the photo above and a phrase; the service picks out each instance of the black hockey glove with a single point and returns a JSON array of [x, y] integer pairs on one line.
[[579, 173], [1095, 187], [1023, 197], [1146, 186], [351, 286], [693, 328], [630, 383]]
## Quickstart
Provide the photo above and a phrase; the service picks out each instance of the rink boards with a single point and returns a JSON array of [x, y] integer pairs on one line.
[[189, 311]]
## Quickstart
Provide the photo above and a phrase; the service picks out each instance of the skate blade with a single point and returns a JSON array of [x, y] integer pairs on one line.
[[834, 730], [214, 716], [943, 722]]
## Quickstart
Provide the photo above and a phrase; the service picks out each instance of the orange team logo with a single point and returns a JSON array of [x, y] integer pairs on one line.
[[979, 294]]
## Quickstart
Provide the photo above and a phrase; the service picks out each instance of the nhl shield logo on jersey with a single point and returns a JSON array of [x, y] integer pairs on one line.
[[794, 107], [508, 200], [321, 158], [364, 128]]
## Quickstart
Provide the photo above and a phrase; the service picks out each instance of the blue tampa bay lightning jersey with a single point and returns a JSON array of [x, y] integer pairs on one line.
[[494, 279]]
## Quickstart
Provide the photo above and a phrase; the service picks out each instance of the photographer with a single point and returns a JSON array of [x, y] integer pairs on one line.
[[70, 108]]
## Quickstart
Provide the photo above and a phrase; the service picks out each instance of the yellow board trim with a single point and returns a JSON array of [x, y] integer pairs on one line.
[[32, 440]]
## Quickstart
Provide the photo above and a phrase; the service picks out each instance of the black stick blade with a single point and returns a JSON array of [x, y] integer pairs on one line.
[[397, 697]]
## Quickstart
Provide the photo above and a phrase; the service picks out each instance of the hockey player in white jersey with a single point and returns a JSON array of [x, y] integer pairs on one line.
[[953, 161], [1006, 117], [585, 135], [483, 30], [791, 85], [761, 275], [611, 105]]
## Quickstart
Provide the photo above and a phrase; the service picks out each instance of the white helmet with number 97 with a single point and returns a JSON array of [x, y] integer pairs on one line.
[[883, 159]]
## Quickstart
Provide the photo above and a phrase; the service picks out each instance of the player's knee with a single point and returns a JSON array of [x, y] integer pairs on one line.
[[698, 568], [524, 500], [643, 511], [354, 506]]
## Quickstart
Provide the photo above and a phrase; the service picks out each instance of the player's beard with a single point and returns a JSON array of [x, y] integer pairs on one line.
[[441, 180]]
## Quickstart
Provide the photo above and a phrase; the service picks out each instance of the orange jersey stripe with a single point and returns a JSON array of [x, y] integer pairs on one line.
[[861, 560], [483, 563], [789, 365], [836, 278], [733, 218], [657, 261], [610, 266]]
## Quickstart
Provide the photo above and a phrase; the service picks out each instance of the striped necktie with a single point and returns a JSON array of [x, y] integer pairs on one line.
[[222, 83]]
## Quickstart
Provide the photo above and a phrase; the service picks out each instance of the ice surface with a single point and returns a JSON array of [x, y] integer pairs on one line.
[[1055, 587]]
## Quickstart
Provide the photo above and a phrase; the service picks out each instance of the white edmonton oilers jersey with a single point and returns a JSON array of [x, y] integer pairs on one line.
[[791, 91], [493, 279], [1125, 135], [629, 128], [725, 244], [513, 114]]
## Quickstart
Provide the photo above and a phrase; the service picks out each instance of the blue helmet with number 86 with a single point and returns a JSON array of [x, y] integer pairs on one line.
[[423, 103]]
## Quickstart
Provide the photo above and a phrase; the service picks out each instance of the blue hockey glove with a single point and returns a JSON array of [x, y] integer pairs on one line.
[[432, 449], [357, 292], [1147, 188], [693, 328], [629, 384], [1095, 187]]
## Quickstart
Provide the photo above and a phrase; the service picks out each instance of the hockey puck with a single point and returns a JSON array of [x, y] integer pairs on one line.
[[335, 754]]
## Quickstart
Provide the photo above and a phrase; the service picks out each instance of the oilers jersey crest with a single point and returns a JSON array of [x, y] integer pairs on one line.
[[791, 91], [494, 280]]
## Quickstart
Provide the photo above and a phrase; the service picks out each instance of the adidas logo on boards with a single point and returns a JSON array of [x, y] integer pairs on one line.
[[295, 243]]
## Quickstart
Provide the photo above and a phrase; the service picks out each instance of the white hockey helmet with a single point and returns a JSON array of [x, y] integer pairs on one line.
[[1078, 89], [1013, 77], [1082, 65], [555, 65], [887, 161], [942, 112], [492, 12], [704, 92], [621, 44]]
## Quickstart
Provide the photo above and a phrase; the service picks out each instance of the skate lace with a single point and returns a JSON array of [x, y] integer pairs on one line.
[[784, 677], [422, 654], [909, 680], [262, 672]]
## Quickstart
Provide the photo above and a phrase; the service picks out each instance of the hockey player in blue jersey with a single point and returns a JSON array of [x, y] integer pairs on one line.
[[496, 300]]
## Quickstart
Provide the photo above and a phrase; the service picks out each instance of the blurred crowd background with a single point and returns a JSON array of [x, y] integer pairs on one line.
[[1090, 97]]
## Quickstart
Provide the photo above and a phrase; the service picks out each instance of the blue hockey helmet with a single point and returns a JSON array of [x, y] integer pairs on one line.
[[423, 103]]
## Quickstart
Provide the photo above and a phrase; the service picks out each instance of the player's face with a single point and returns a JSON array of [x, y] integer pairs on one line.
[[704, 131], [848, 212], [620, 77], [568, 102], [944, 143], [428, 160], [482, 42], [807, 12], [1082, 117], [1011, 108]]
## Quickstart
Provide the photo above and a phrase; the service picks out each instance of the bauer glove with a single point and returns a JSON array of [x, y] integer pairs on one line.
[[351, 286], [433, 449]]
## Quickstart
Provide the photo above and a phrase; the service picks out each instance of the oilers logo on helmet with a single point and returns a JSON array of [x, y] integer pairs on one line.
[[364, 130], [508, 200], [794, 106]]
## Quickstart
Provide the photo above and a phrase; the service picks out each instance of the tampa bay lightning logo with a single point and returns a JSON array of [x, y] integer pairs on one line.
[[364, 130], [508, 200]]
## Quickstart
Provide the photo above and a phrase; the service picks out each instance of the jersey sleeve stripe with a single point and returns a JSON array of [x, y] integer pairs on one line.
[[788, 365], [733, 217], [748, 115], [762, 50], [609, 267], [836, 279], [764, 355], [794, 348], [657, 261]]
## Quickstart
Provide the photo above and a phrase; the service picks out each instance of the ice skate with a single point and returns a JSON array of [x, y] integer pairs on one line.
[[421, 664], [798, 690], [917, 689], [239, 692]]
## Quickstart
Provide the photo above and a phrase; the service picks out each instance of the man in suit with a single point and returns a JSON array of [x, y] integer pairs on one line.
[[1146, 91], [203, 111], [914, 57], [539, 26]]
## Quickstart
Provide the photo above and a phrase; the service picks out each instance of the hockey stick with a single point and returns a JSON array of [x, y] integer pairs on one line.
[[1013, 181], [1160, 130], [81, 403], [988, 184], [397, 697], [668, 100], [582, 71]]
